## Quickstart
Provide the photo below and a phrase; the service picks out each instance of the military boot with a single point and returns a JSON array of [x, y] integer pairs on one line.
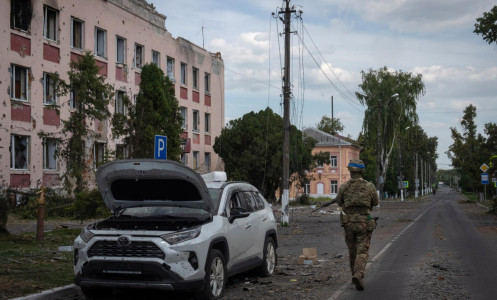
[[357, 280]]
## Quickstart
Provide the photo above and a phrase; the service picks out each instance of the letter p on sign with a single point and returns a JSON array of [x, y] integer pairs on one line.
[[160, 147]]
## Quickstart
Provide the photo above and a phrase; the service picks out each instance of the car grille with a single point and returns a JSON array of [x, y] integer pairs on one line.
[[135, 249]]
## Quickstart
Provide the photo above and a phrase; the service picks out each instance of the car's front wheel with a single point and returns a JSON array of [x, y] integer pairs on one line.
[[215, 275], [270, 258]]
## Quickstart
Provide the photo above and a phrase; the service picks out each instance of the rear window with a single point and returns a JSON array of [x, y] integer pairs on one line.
[[215, 196], [154, 189]]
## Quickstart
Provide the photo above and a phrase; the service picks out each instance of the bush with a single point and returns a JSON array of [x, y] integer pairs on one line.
[[304, 199], [89, 205]]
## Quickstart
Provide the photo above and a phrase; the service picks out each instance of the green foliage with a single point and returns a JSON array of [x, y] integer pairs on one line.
[[156, 112], [487, 26], [329, 125], [393, 95], [251, 148], [89, 204], [322, 158], [92, 96], [471, 149]]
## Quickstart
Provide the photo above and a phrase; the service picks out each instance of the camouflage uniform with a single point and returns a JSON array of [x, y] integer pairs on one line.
[[356, 197]]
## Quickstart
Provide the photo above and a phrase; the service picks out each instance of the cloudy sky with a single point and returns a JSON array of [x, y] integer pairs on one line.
[[334, 42]]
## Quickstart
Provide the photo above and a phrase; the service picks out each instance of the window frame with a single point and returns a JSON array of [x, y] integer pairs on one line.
[[183, 73], [13, 73], [184, 114], [120, 38], [73, 101], [207, 83], [46, 155], [195, 163], [207, 122], [96, 162], [119, 107], [124, 149], [333, 161], [46, 29], [13, 152], [24, 11], [154, 55], [103, 53], [195, 72], [333, 186], [170, 68], [51, 86], [141, 56], [195, 120], [82, 33], [207, 161]]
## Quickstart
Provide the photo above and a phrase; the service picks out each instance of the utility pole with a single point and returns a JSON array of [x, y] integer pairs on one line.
[[286, 115], [379, 188]]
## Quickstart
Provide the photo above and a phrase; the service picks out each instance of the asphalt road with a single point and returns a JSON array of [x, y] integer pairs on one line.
[[440, 255]]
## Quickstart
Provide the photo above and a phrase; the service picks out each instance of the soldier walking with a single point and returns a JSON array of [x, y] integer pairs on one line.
[[357, 197]]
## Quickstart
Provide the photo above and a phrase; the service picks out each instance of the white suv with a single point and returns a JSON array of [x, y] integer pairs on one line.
[[171, 229]]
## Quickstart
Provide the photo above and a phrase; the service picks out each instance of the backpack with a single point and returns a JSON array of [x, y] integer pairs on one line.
[[357, 194]]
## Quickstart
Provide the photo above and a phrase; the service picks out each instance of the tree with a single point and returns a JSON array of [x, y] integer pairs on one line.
[[91, 96], [329, 125], [468, 151], [156, 112], [487, 26], [251, 150], [390, 98]]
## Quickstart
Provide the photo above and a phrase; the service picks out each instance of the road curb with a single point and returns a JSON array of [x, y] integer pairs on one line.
[[51, 294]]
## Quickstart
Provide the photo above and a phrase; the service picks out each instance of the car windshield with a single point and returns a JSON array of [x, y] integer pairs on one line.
[[165, 212]]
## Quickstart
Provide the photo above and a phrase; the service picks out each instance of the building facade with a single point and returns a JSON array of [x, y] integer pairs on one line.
[[327, 178], [44, 36]]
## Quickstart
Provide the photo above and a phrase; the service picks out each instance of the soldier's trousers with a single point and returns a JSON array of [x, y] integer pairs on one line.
[[357, 238]]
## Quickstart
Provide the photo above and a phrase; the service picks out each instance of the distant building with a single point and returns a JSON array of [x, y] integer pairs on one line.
[[42, 37], [326, 179]]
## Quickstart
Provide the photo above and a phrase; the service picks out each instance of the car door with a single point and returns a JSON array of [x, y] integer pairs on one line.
[[239, 233]]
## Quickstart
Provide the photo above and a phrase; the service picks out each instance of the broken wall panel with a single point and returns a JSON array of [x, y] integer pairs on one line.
[[20, 44], [20, 112], [51, 53]]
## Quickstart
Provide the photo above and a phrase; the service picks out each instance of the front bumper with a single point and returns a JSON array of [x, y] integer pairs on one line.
[[125, 274]]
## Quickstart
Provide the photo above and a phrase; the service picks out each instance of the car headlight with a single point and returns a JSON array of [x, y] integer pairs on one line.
[[181, 236], [86, 234]]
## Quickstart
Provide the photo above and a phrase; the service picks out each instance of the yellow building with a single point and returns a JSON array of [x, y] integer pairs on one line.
[[326, 179]]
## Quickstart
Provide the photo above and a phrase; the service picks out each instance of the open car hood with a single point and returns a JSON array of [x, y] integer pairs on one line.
[[147, 182]]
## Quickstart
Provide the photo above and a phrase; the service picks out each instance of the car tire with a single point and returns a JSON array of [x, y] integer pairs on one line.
[[270, 258], [215, 276]]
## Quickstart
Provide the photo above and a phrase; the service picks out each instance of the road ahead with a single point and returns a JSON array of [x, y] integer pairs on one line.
[[440, 255]]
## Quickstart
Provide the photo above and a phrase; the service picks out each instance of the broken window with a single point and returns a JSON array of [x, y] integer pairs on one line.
[[156, 58], [73, 103], [195, 77], [49, 95], [184, 114], [49, 154], [120, 49], [196, 120], [121, 151], [170, 68], [138, 56], [50, 23], [21, 13], [77, 33], [19, 147], [119, 105], [19, 83], [99, 154], [207, 82], [207, 122], [100, 41], [207, 162], [183, 73]]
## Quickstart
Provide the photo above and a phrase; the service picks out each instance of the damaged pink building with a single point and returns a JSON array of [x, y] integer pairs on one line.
[[44, 36]]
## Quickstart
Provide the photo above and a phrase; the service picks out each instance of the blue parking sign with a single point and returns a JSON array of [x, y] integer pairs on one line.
[[160, 147], [484, 178]]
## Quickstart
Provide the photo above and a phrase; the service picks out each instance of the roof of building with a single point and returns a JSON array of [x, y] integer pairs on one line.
[[326, 139]]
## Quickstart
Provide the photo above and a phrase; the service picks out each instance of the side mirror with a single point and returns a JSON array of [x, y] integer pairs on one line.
[[237, 213]]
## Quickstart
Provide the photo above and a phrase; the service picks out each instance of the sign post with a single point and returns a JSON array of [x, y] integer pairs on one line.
[[160, 147]]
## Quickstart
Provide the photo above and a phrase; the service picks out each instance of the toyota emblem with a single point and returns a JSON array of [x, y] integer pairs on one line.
[[123, 241]]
